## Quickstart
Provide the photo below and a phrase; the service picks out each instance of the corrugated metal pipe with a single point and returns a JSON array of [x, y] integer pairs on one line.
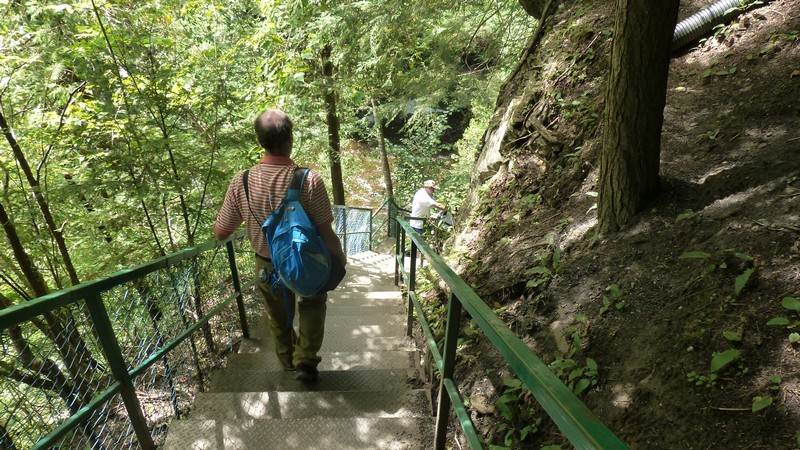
[[704, 21]]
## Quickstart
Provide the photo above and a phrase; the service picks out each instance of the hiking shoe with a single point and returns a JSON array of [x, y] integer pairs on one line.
[[306, 373]]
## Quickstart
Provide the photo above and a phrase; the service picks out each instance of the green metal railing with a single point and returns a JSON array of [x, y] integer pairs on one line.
[[107, 364], [578, 424]]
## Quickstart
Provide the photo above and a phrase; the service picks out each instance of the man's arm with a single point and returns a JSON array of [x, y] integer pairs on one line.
[[221, 234], [332, 242]]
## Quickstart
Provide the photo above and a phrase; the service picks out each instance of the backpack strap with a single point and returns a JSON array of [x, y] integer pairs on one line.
[[296, 184], [247, 193]]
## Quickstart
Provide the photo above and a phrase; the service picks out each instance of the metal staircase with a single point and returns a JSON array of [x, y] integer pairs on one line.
[[371, 393]]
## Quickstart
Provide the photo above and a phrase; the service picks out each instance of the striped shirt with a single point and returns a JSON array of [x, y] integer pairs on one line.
[[267, 184]]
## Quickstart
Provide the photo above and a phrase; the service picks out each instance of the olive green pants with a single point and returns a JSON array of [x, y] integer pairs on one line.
[[300, 345]]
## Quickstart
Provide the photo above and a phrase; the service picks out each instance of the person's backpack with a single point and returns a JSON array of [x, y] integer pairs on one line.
[[300, 259]]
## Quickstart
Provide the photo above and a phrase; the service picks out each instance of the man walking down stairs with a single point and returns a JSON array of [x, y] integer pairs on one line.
[[365, 397]]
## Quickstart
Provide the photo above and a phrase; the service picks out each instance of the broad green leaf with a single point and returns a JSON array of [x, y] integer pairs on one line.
[[778, 321], [591, 364], [794, 337], [695, 255], [760, 403], [791, 303], [742, 279], [743, 256], [732, 336], [581, 386], [539, 270], [722, 359]]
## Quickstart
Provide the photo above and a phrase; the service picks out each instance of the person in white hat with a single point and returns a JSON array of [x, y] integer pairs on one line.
[[421, 205]]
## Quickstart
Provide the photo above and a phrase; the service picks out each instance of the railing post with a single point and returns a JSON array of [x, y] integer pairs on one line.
[[344, 230], [237, 287], [398, 251], [448, 366], [412, 271], [370, 231], [119, 369], [391, 222]]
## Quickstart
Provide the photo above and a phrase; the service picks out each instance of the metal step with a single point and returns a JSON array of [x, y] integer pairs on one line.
[[371, 393], [298, 405], [332, 343], [357, 309], [348, 327], [396, 359], [336, 380], [405, 433]]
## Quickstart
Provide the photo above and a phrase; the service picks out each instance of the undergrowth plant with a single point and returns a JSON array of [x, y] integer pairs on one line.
[[577, 377], [548, 265], [761, 402], [743, 277], [520, 418], [612, 299], [792, 304], [725, 365]]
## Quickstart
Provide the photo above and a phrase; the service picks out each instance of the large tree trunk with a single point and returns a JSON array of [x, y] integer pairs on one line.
[[380, 127], [334, 147], [634, 110]]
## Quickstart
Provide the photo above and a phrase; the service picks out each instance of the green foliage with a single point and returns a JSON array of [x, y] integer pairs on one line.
[[714, 71], [612, 299], [520, 418], [698, 379], [689, 215], [549, 265], [722, 359], [761, 402], [741, 280], [577, 378], [792, 304], [724, 365]]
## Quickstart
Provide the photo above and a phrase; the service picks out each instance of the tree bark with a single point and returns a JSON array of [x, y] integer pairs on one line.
[[634, 111], [61, 330], [534, 8], [334, 146], [43, 205], [380, 127]]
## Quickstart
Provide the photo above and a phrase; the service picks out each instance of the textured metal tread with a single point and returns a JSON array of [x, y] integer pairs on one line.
[[337, 380], [355, 309], [334, 343], [302, 434], [396, 359], [348, 327], [297, 405]]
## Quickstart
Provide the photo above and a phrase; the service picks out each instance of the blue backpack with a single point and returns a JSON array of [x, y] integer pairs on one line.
[[301, 262]]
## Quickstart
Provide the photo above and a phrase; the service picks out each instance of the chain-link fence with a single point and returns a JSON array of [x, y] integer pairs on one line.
[[110, 363], [354, 228]]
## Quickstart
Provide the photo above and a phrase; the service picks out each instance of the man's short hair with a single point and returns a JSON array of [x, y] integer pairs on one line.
[[274, 130]]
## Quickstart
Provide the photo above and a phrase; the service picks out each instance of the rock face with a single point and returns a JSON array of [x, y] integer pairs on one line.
[[649, 318]]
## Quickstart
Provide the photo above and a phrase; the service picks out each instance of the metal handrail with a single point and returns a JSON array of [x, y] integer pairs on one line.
[[122, 377], [583, 429]]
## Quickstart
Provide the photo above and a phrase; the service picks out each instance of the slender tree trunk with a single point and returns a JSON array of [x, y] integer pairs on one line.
[[334, 147], [634, 110], [43, 205], [380, 128], [61, 330]]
